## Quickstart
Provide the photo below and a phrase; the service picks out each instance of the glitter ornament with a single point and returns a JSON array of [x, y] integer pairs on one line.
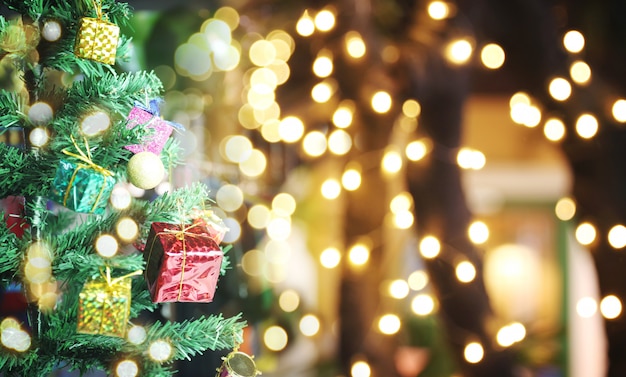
[[238, 364], [51, 31], [150, 118], [97, 38], [145, 170]]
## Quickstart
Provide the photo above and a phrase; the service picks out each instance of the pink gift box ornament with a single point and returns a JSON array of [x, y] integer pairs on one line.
[[150, 117]]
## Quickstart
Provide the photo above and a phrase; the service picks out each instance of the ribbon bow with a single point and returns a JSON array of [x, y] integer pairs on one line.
[[86, 158], [111, 282], [154, 108]]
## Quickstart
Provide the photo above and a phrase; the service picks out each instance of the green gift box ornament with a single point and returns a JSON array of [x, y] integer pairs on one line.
[[82, 186]]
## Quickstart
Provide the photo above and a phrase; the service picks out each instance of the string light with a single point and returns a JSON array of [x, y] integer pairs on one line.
[[381, 102], [610, 307], [585, 234], [342, 117], [573, 41], [492, 56], [314, 143], [392, 162], [322, 92], [399, 289], [291, 129], [389, 324], [617, 237], [411, 108], [331, 189], [137, 335], [289, 300], [354, 44], [309, 325], [619, 110], [403, 219], [438, 10], [560, 89], [360, 369], [459, 51], [160, 351], [416, 150], [339, 142], [127, 368], [586, 126], [127, 229], [580, 72], [465, 272], [324, 20], [95, 123], [401, 202], [351, 179], [478, 232], [258, 216], [554, 129], [275, 338], [39, 137], [323, 64], [423, 305], [586, 307], [330, 257], [305, 25], [429, 247], [565, 209], [474, 352], [40, 114], [418, 280], [229, 197], [359, 254], [106, 246]]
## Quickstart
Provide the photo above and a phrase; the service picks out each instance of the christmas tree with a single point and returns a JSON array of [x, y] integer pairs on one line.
[[87, 258]]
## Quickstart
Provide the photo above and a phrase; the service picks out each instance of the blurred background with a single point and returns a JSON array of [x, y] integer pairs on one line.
[[413, 188]]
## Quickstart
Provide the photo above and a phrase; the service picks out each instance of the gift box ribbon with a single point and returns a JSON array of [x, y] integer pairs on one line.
[[154, 109], [111, 283], [89, 164], [179, 235]]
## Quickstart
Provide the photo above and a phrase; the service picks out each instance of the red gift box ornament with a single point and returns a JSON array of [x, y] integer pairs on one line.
[[183, 263]]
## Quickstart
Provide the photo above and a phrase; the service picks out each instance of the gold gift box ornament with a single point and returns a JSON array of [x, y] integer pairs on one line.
[[97, 38]]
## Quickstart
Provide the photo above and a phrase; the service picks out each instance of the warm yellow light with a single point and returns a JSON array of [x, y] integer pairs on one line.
[[399, 289], [423, 305], [106, 246], [160, 351], [331, 189], [511, 334], [305, 25], [401, 202], [275, 338], [321, 92], [314, 144], [351, 179], [478, 232], [403, 219], [519, 98], [39, 136], [574, 41], [617, 236], [229, 197], [381, 102], [237, 148], [330, 257], [360, 369], [325, 20], [339, 142], [474, 352], [359, 254], [127, 229], [137, 335], [355, 46], [565, 209], [492, 56], [429, 247], [610, 307], [255, 165], [438, 10], [619, 110], [411, 108], [586, 126], [284, 204], [560, 89], [279, 228], [465, 272], [585, 233], [554, 129], [580, 72], [291, 129], [416, 150], [258, 216], [262, 53], [392, 162], [389, 324], [468, 158], [459, 51], [289, 300], [586, 307], [418, 280], [309, 325], [323, 64], [253, 262], [342, 117]]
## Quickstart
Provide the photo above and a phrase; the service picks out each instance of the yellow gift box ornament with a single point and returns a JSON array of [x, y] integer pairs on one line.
[[97, 38], [104, 305]]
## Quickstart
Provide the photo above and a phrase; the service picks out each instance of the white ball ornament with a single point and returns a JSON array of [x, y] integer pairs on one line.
[[145, 170], [51, 31]]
